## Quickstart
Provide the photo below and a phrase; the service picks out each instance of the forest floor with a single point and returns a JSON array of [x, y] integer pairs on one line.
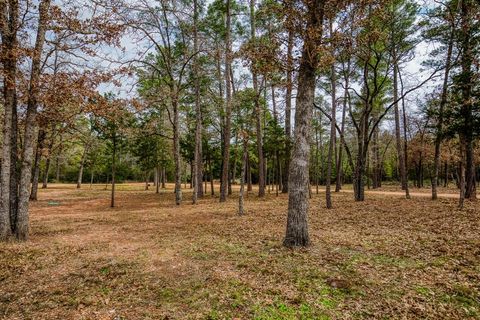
[[385, 258]]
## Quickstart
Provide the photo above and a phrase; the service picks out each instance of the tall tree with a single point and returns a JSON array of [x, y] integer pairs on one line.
[[298, 197]]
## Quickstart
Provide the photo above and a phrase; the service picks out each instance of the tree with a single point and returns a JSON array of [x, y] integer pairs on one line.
[[298, 182]]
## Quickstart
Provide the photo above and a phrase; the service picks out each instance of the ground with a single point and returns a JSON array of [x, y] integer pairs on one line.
[[385, 258]]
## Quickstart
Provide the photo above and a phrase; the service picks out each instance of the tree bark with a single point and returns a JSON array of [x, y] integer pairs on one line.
[[82, 165], [401, 160], [228, 108], [114, 151], [198, 161], [242, 177], [439, 133], [30, 125], [8, 30], [299, 183], [333, 86], [288, 110], [466, 85], [258, 113], [346, 100], [36, 166], [176, 149]]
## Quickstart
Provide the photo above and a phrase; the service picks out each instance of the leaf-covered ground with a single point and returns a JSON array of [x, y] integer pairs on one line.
[[386, 258]]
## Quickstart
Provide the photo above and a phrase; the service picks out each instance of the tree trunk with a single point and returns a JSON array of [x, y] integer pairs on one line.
[[346, 100], [401, 159], [258, 113], [242, 177], [164, 178], [14, 174], [47, 170], [439, 133], [176, 150], [466, 85], [9, 62], [114, 151], [82, 165], [198, 158], [288, 110], [157, 174], [333, 86], [36, 166], [228, 108], [299, 183], [30, 125]]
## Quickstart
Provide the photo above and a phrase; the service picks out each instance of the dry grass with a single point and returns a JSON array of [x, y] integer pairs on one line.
[[148, 259]]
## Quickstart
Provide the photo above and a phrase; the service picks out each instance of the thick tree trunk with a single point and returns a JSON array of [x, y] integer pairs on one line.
[[14, 174], [299, 182], [8, 32], [30, 125], [466, 85], [228, 108]]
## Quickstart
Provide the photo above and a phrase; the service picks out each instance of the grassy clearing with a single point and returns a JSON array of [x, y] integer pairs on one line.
[[387, 258]]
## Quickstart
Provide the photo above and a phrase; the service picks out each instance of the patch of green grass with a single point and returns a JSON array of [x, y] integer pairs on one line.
[[424, 291]]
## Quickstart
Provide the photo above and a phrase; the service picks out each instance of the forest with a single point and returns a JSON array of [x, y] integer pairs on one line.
[[234, 159]]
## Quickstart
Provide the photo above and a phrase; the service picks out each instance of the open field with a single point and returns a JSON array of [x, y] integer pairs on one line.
[[386, 258]]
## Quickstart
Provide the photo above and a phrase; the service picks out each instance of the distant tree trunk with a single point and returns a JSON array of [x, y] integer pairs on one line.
[[147, 178], [443, 102], [346, 97], [242, 177], [45, 173], [157, 174], [164, 177], [212, 189], [405, 147], [377, 164], [333, 84], [36, 166], [445, 180], [249, 174], [258, 113], [299, 182], [57, 160], [82, 165], [114, 151], [176, 149], [401, 159], [30, 125], [91, 178], [461, 169], [228, 108]]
